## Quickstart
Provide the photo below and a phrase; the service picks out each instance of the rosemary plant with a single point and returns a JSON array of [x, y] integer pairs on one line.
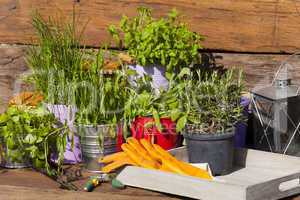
[[211, 102]]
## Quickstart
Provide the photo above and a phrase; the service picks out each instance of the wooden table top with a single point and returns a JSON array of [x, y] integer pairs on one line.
[[27, 184]]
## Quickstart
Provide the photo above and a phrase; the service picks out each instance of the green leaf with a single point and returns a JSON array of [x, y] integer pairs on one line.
[[175, 114], [39, 164], [173, 14], [184, 71], [39, 140], [131, 72], [3, 118], [181, 123], [41, 155], [157, 120], [169, 75], [112, 29], [10, 143], [16, 118], [30, 139]]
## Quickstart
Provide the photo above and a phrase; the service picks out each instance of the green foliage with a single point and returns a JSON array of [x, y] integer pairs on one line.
[[143, 101], [30, 134], [165, 41], [211, 102], [71, 75], [57, 61], [101, 99]]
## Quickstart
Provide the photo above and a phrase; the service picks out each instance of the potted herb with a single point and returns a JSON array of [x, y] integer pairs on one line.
[[211, 108], [30, 136], [58, 65], [153, 115], [159, 46], [100, 101]]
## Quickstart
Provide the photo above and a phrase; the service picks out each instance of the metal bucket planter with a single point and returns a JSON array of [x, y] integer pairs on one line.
[[7, 162], [96, 142]]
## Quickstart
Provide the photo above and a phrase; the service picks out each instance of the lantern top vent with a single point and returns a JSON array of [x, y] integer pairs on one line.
[[281, 87]]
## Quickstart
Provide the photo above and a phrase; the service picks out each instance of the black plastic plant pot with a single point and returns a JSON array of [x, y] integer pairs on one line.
[[215, 149]]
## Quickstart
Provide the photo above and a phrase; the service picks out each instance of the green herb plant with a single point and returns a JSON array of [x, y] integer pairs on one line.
[[143, 101], [210, 101], [30, 134], [100, 99], [207, 100], [57, 61], [166, 41]]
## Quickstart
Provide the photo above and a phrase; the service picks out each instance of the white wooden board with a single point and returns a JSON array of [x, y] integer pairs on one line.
[[258, 176]]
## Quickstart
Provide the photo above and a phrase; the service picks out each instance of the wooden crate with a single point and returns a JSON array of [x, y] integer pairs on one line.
[[258, 175]]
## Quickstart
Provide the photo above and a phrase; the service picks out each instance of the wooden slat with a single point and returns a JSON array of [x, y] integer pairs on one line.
[[259, 69], [26, 184], [21, 184], [26, 193], [240, 25], [12, 65]]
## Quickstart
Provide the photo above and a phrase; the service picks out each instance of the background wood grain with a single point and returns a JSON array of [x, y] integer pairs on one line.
[[12, 65], [240, 25]]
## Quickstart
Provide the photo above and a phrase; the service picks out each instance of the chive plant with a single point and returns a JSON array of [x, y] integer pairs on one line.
[[57, 59]]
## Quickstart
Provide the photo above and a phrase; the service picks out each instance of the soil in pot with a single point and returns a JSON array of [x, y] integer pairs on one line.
[[215, 149]]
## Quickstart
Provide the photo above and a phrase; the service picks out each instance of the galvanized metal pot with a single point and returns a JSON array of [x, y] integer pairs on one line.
[[96, 142], [7, 162]]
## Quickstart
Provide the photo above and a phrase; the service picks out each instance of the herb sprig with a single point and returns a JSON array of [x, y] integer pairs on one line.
[[30, 133], [165, 41]]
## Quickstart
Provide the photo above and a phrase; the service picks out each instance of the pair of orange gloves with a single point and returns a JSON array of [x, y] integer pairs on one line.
[[151, 156]]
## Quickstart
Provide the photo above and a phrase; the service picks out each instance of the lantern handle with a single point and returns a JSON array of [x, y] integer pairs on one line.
[[284, 62]]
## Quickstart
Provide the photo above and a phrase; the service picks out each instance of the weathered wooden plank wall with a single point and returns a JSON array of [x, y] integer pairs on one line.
[[12, 65], [240, 25]]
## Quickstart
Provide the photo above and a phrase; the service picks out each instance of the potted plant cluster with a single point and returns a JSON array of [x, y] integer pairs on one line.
[[151, 115], [100, 101], [211, 109], [159, 89], [160, 47], [29, 136], [58, 64]]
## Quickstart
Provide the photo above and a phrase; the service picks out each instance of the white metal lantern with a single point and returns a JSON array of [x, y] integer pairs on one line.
[[276, 110]]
